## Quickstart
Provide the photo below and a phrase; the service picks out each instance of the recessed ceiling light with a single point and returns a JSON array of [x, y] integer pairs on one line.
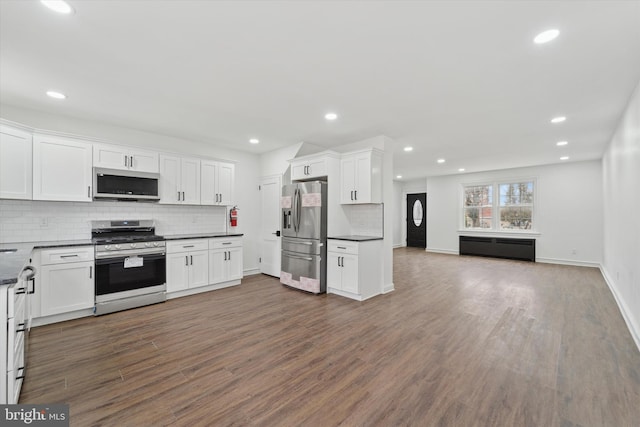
[[399, 176], [559, 119], [461, 170], [562, 143], [408, 148], [441, 160], [254, 141], [546, 36], [331, 116], [564, 158], [56, 95], [58, 6]]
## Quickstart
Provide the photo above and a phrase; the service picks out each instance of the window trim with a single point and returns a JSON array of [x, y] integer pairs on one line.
[[495, 220]]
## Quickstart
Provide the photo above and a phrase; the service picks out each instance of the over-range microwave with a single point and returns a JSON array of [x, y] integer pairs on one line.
[[125, 185]]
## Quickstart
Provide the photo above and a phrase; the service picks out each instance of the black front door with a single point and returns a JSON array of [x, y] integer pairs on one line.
[[416, 220]]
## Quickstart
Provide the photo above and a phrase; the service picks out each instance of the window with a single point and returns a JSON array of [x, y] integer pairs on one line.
[[478, 206], [514, 206]]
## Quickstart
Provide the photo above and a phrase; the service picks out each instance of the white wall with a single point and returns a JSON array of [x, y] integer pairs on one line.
[[621, 184], [397, 211], [568, 210], [247, 165]]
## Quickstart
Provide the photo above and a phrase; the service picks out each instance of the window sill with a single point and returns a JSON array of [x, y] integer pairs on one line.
[[496, 233]]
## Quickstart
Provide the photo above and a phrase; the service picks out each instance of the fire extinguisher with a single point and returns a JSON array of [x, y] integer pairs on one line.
[[233, 216]]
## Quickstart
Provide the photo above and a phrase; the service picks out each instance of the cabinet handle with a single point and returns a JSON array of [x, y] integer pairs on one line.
[[229, 256], [191, 256], [89, 191], [356, 194], [186, 260], [183, 196], [90, 272], [188, 246], [34, 286], [21, 328], [225, 255], [341, 247], [131, 161], [351, 194], [69, 256], [178, 196], [20, 377], [227, 243]]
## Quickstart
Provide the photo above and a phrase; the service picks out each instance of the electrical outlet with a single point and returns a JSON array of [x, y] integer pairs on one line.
[[44, 222]]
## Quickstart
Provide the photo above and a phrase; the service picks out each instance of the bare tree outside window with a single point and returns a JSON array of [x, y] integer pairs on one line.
[[478, 206], [514, 204]]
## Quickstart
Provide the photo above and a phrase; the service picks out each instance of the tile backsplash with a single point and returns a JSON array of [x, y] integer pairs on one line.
[[32, 221], [366, 220]]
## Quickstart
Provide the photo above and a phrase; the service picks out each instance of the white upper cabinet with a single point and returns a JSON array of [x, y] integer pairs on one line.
[[124, 158], [312, 166], [179, 180], [61, 169], [218, 182], [361, 177], [15, 164]]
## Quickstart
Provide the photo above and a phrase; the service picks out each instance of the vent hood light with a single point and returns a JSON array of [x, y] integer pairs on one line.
[[56, 95], [331, 116], [559, 119], [441, 160], [562, 143], [546, 36], [58, 6], [564, 158], [254, 141], [399, 176], [408, 149], [461, 170]]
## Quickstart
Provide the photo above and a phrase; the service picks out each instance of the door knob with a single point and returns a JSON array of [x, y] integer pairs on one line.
[[277, 233]]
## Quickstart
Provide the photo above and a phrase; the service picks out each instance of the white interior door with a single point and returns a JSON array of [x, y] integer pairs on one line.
[[270, 225]]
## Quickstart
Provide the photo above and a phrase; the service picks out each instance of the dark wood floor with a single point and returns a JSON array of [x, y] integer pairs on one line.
[[462, 341]]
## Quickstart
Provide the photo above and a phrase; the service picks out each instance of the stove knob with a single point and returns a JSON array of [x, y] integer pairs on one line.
[[147, 245], [155, 244], [133, 245], [107, 247], [117, 246]]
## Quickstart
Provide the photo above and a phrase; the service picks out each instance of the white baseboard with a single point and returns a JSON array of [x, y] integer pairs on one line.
[[633, 329], [198, 290], [442, 251], [389, 287], [399, 245], [251, 271], [568, 262], [63, 317]]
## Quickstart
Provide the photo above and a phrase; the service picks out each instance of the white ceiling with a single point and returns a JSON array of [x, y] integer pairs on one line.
[[461, 80]]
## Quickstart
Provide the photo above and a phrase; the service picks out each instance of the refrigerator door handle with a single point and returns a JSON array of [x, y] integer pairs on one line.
[[299, 210], [293, 208]]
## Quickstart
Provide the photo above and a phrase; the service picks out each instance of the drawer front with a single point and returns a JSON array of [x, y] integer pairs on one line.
[[64, 255], [178, 246], [343, 246], [15, 374], [221, 243]]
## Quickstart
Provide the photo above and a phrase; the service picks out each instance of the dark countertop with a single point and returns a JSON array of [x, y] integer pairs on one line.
[[356, 238], [200, 236], [11, 263]]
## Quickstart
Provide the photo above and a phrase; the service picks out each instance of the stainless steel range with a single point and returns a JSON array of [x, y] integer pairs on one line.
[[130, 265]]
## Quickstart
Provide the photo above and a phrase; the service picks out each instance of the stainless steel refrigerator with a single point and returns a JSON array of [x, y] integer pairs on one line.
[[304, 236]]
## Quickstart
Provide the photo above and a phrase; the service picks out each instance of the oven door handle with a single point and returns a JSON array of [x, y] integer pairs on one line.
[[120, 258]]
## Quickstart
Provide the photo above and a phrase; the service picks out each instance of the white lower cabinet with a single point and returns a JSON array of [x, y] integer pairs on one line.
[[66, 280], [354, 268], [13, 335], [225, 259], [187, 264]]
